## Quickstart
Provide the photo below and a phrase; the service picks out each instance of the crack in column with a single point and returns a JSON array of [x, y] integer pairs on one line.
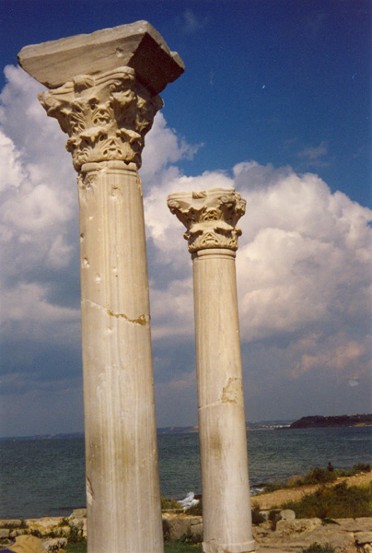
[[141, 320]]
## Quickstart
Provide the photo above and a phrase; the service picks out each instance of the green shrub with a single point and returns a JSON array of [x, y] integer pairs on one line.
[[189, 539], [76, 535], [77, 547], [63, 522], [356, 469], [177, 547], [174, 547], [362, 467], [273, 486], [274, 517], [317, 548], [339, 501], [195, 510], [316, 475], [257, 516], [168, 504]]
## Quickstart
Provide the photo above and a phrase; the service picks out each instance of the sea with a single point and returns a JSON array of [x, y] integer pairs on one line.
[[45, 477]]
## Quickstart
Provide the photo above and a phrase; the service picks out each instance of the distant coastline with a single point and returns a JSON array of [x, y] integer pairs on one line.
[[323, 422], [314, 421]]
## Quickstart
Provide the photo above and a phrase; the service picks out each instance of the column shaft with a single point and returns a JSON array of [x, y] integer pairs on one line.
[[103, 90], [210, 219], [123, 497], [222, 427]]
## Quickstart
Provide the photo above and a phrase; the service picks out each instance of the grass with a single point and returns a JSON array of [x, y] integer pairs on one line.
[[175, 547], [77, 548], [317, 548], [317, 475], [340, 501]]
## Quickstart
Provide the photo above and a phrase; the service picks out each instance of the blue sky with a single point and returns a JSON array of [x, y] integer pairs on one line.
[[274, 101]]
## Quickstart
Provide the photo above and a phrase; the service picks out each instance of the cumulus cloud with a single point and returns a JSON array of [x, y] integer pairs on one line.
[[38, 216], [303, 266]]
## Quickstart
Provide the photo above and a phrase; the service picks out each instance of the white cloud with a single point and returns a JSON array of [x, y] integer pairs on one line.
[[38, 215], [304, 256], [304, 260], [314, 153], [11, 167], [162, 148]]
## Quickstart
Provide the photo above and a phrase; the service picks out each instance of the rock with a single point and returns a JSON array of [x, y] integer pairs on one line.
[[44, 526], [177, 526], [362, 524], [12, 523], [289, 527], [287, 514], [78, 513], [363, 538], [196, 531], [27, 544], [55, 544]]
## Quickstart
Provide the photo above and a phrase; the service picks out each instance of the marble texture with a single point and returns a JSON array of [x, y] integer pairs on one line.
[[137, 45], [210, 218], [103, 92]]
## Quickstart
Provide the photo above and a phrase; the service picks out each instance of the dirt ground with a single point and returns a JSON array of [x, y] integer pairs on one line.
[[277, 498]]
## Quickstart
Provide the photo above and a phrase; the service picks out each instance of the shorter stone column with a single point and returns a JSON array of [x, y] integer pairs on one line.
[[210, 218]]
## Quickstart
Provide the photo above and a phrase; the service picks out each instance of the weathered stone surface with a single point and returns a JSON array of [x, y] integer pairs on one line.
[[43, 525], [137, 45], [103, 92], [78, 513], [106, 116], [292, 537], [287, 514], [11, 523], [289, 527], [363, 538], [210, 218], [27, 544], [177, 526], [196, 530], [362, 524], [346, 535], [55, 544]]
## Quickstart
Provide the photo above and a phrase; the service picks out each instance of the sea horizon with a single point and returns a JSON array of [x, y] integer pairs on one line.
[[270, 424], [46, 477]]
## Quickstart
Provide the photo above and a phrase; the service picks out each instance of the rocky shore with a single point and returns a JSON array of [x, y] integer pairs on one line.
[[285, 534]]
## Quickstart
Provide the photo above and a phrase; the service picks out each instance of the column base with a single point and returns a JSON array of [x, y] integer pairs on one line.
[[246, 547]]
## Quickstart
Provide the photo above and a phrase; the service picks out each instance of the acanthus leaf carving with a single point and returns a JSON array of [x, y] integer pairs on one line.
[[106, 116], [210, 217]]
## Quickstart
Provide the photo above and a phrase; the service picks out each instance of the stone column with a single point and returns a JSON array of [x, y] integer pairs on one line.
[[103, 92], [210, 219]]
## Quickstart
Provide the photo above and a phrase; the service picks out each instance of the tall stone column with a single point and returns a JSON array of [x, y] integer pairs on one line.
[[103, 92], [210, 219]]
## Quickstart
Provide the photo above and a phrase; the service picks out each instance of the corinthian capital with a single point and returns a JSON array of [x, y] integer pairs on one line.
[[106, 116], [103, 88], [210, 217]]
